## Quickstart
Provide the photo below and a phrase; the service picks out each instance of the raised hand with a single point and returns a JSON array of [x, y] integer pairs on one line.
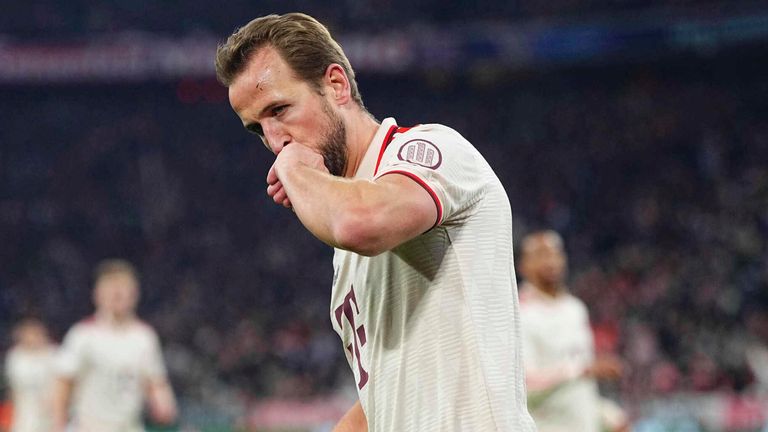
[[288, 158]]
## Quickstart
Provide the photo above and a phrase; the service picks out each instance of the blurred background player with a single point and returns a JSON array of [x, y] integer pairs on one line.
[[756, 356], [111, 361], [29, 370], [558, 347]]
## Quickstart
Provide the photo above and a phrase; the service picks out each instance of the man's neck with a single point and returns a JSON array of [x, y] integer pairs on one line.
[[550, 290], [114, 319], [361, 129], [34, 348]]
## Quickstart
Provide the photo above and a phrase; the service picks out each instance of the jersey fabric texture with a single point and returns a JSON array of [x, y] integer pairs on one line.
[[110, 367], [431, 328]]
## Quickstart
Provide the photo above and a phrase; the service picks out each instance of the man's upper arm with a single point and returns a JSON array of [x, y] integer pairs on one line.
[[154, 365], [412, 207], [424, 178], [160, 397], [450, 173], [7, 372], [69, 358]]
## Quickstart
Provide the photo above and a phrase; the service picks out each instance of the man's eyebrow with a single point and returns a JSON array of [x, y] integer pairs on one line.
[[270, 107]]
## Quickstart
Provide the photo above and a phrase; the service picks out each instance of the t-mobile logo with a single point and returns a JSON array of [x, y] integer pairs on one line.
[[358, 333]]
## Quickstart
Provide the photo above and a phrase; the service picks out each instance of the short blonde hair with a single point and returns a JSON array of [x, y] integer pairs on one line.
[[302, 41], [112, 266]]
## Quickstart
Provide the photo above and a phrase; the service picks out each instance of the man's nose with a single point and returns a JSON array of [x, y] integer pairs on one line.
[[276, 136]]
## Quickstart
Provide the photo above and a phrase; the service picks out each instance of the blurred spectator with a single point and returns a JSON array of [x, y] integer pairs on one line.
[[52, 19], [30, 373]]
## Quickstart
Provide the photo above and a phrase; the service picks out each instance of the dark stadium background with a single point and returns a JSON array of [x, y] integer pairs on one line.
[[637, 129]]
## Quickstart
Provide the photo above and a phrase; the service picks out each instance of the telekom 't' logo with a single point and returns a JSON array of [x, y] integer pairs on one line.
[[358, 334]]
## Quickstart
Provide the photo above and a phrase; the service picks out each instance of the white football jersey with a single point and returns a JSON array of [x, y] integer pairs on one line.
[[30, 376], [557, 337], [431, 327], [110, 367]]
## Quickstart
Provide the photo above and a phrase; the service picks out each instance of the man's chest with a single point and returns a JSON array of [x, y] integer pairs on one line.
[[116, 352], [563, 334]]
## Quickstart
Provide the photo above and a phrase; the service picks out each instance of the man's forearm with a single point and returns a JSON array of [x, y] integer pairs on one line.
[[362, 216], [543, 380], [162, 403], [318, 200], [62, 391]]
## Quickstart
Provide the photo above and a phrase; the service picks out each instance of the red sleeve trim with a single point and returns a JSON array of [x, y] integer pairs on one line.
[[426, 187]]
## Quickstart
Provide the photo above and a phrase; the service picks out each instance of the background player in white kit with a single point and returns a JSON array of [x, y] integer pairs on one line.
[[424, 294], [29, 369], [109, 362], [561, 368]]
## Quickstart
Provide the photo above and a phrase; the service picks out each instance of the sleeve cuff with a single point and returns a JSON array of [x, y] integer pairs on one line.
[[426, 186]]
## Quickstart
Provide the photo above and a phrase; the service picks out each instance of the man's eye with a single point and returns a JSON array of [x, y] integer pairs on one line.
[[279, 109], [256, 129]]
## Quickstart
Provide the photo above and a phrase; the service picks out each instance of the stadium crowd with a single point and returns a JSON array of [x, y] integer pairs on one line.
[[656, 177], [44, 19]]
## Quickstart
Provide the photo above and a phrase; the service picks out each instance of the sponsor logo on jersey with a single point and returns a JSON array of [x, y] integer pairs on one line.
[[358, 333]]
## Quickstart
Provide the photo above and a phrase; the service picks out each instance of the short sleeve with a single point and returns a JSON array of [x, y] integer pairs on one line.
[[446, 165], [71, 355], [154, 367], [8, 366]]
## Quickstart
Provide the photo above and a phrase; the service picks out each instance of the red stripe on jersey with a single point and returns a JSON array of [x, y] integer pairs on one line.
[[384, 144], [388, 139], [426, 187]]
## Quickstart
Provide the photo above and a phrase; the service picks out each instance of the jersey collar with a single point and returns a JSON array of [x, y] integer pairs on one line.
[[376, 148]]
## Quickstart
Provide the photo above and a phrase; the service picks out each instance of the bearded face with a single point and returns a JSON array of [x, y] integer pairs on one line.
[[333, 144]]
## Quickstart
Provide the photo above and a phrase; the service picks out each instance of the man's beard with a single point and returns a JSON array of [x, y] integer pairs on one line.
[[333, 147]]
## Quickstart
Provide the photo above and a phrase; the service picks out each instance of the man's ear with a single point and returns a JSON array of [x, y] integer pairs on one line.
[[337, 81]]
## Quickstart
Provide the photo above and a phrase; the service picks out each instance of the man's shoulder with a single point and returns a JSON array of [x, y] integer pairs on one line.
[[530, 298], [433, 146], [141, 332], [85, 325], [437, 131], [574, 302], [532, 307], [143, 327], [91, 324], [13, 355]]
